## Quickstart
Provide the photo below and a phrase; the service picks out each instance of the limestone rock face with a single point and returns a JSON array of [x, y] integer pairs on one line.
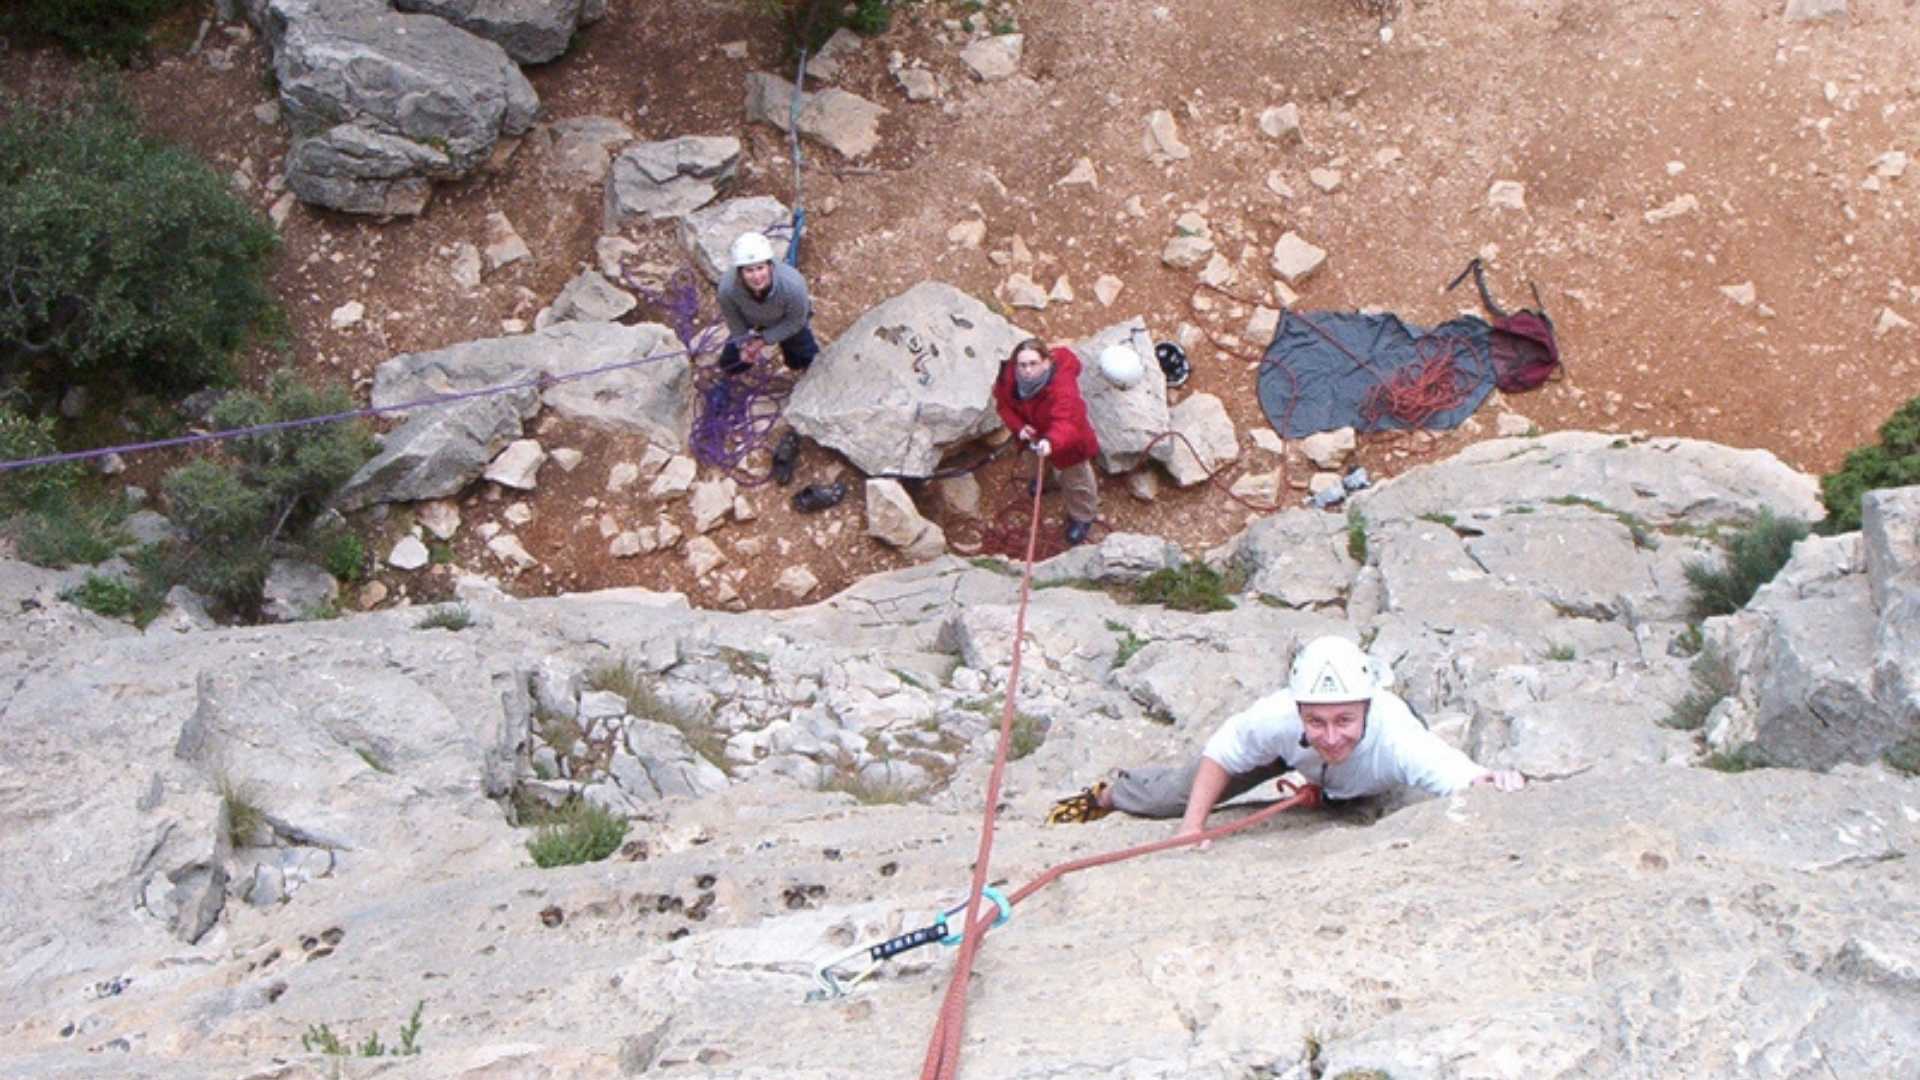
[[531, 31], [796, 783]]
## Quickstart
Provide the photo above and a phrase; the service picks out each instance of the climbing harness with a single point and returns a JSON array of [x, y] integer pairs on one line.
[[832, 985]]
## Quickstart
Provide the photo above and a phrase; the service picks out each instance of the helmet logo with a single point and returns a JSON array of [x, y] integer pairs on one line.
[[1328, 682]]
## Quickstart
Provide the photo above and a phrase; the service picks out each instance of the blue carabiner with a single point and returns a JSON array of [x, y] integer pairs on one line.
[[999, 900]]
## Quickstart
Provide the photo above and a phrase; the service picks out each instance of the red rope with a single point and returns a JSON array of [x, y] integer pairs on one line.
[[1421, 390]]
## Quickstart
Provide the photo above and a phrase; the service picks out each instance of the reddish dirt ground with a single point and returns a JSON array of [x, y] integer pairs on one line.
[[1602, 110]]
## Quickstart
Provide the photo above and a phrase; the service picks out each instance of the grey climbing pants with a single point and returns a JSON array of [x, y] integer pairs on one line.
[[1160, 791]]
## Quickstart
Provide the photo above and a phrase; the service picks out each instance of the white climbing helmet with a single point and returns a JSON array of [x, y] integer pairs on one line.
[[1327, 670], [751, 249], [1121, 365]]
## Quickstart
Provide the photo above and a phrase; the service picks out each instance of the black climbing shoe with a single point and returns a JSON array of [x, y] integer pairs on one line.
[[817, 497], [785, 453], [1077, 531]]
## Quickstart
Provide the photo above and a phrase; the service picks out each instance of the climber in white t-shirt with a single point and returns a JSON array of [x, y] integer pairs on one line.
[[1336, 723]]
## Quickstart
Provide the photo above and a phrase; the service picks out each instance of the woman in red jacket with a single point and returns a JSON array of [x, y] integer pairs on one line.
[[1038, 395]]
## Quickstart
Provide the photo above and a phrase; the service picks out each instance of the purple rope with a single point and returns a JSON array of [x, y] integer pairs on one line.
[[737, 416], [540, 382]]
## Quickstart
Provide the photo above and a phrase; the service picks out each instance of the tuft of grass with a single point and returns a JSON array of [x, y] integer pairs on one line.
[[1194, 586], [847, 780], [71, 532], [319, 1038], [1029, 734], [1738, 760], [373, 760], [1357, 535], [1690, 641], [439, 553], [1128, 645], [1754, 554], [1439, 519], [636, 687], [104, 596], [343, 554], [993, 565], [1904, 756], [580, 832], [1713, 679], [1560, 654], [454, 617], [908, 678], [244, 815]]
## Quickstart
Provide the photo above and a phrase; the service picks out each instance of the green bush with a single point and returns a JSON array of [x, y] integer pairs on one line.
[[1192, 587], [24, 437], [454, 617], [1754, 554], [126, 259], [234, 509], [1893, 463], [1357, 535], [1713, 678], [343, 553], [104, 596], [1744, 758], [110, 29], [579, 833], [1905, 755], [71, 531]]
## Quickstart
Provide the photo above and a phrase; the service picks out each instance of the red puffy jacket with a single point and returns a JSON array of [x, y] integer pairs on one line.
[[1056, 412]]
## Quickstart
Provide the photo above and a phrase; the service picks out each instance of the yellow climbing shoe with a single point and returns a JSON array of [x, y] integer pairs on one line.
[[1080, 807]]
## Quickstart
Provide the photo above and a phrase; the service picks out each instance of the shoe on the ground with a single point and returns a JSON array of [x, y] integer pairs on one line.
[[785, 453], [1080, 807], [817, 497], [1077, 532]]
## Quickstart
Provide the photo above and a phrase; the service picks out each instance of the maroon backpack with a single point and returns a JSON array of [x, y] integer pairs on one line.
[[1522, 345]]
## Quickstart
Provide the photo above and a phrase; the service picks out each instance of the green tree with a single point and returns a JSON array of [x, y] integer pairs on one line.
[[111, 29], [234, 509], [121, 257], [1893, 463]]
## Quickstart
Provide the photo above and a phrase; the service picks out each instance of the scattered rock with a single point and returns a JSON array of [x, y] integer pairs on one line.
[[1209, 440], [408, 554], [1106, 289], [583, 148], [518, 465], [1327, 180], [439, 517], [1143, 484], [1081, 174], [710, 502], [674, 480], [664, 181], [1889, 321], [1296, 260], [1809, 10], [1162, 142], [797, 582], [894, 520], [465, 268], [968, 234], [504, 245], [1329, 449], [589, 297], [347, 314], [1742, 294], [1507, 195], [960, 494], [703, 555], [1282, 123], [296, 591], [622, 476], [1186, 252], [1891, 165], [994, 58], [1510, 425], [1021, 291], [843, 122], [508, 549], [1683, 204], [567, 458], [626, 545]]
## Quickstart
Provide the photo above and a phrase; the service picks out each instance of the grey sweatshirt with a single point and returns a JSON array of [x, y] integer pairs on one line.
[[778, 317]]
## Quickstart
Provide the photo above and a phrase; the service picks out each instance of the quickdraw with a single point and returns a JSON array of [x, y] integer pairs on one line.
[[831, 985]]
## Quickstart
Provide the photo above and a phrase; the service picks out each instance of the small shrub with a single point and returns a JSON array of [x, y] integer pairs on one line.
[[373, 760], [1690, 641], [244, 816], [1904, 756], [454, 617], [644, 702], [581, 832], [1357, 535], [1895, 462], [1560, 654], [1439, 519], [907, 678], [343, 554], [847, 780], [1754, 555], [1194, 586], [104, 596], [1029, 734], [22, 438], [319, 1038], [1713, 679], [1128, 646], [127, 260], [1738, 760], [71, 531], [113, 30]]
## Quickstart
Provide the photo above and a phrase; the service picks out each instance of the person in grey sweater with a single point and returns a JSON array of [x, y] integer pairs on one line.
[[765, 303]]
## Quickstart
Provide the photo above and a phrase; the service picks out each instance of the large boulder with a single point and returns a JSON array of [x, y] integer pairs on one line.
[[381, 103], [647, 391], [531, 31], [844, 122], [1125, 418], [438, 451], [909, 381], [660, 181]]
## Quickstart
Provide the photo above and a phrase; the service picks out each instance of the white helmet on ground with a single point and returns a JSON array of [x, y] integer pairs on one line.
[[751, 249], [1327, 670], [1121, 365]]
